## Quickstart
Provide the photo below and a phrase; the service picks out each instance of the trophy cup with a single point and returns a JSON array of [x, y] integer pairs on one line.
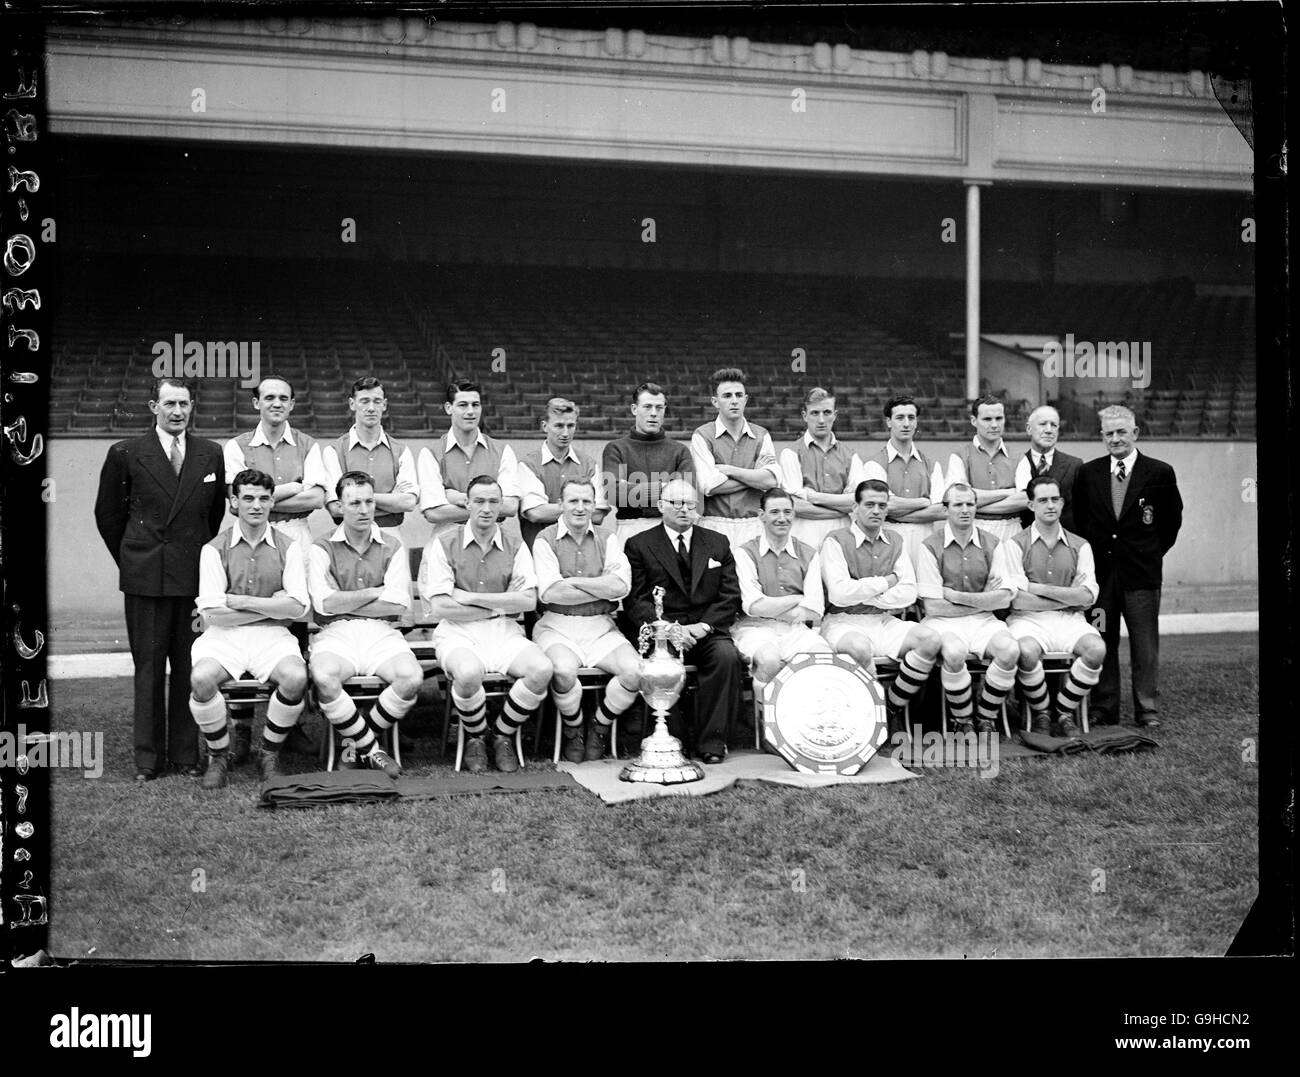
[[662, 676]]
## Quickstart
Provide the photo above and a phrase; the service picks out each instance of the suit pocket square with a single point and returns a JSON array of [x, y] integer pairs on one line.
[[211, 476], [714, 564]]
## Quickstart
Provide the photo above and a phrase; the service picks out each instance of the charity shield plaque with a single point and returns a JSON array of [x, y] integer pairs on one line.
[[824, 714]]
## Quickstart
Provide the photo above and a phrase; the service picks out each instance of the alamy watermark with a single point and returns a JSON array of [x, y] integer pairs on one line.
[[971, 751], [83, 751], [1103, 359], [181, 358]]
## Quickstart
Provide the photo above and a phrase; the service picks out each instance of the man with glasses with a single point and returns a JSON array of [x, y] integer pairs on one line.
[[695, 568]]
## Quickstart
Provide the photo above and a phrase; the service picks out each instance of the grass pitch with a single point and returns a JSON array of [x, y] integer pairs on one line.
[[1154, 854]]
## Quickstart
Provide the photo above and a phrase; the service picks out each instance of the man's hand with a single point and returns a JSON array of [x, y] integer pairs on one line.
[[892, 579], [695, 633], [236, 602], [455, 497]]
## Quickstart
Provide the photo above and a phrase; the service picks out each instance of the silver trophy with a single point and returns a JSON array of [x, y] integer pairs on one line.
[[663, 674]]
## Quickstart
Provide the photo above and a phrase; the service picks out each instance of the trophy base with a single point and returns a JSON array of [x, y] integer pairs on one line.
[[661, 762]]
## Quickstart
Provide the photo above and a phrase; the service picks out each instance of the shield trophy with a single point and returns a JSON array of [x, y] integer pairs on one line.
[[663, 676]]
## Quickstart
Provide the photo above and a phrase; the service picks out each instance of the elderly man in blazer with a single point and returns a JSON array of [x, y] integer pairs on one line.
[[1044, 458], [161, 497], [1127, 505], [695, 568]]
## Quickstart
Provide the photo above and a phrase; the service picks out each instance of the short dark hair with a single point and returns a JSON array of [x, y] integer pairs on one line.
[[352, 478], [257, 389], [774, 494], [481, 480], [175, 383], [574, 480], [875, 485], [651, 387], [898, 402], [367, 382], [727, 373], [988, 399], [462, 387], [1037, 481], [250, 476]]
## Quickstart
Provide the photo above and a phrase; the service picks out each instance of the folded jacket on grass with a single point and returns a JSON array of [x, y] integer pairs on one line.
[[1104, 739], [321, 788]]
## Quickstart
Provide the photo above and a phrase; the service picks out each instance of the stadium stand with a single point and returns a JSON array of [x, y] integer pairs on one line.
[[594, 335]]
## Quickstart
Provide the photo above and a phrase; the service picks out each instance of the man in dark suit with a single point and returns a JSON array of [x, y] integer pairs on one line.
[[695, 568], [161, 497], [1128, 507], [1044, 458]]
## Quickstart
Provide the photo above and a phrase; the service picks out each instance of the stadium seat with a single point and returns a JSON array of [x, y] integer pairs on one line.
[[590, 679]]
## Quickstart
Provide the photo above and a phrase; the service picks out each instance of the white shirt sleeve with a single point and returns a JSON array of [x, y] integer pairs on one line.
[[313, 469], [546, 568], [937, 486], [320, 580], [841, 588], [397, 578], [294, 581], [1085, 573], [814, 597], [1024, 472], [329, 459], [432, 492], [212, 580], [791, 472], [532, 493], [508, 472], [903, 593], [873, 469], [436, 576], [707, 476], [617, 564], [929, 577], [996, 580], [234, 459], [1008, 565], [524, 576], [751, 591], [405, 481], [766, 460], [857, 474]]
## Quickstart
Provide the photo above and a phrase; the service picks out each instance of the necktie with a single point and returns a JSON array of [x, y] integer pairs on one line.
[[683, 559], [1120, 472], [1041, 467], [176, 458]]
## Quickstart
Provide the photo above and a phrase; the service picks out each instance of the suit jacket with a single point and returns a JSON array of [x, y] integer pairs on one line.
[[712, 594], [1065, 470], [153, 521], [1133, 546]]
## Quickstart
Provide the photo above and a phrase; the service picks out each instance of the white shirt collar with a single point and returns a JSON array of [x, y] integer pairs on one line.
[[1048, 456], [1128, 462], [450, 440], [237, 533], [1037, 536], [809, 440], [765, 547], [467, 536], [979, 447], [719, 426], [354, 438], [672, 535], [949, 538], [259, 436], [165, 439], [891, 452], [562, 529], [548, 456], [340, 534], [860, 536]]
